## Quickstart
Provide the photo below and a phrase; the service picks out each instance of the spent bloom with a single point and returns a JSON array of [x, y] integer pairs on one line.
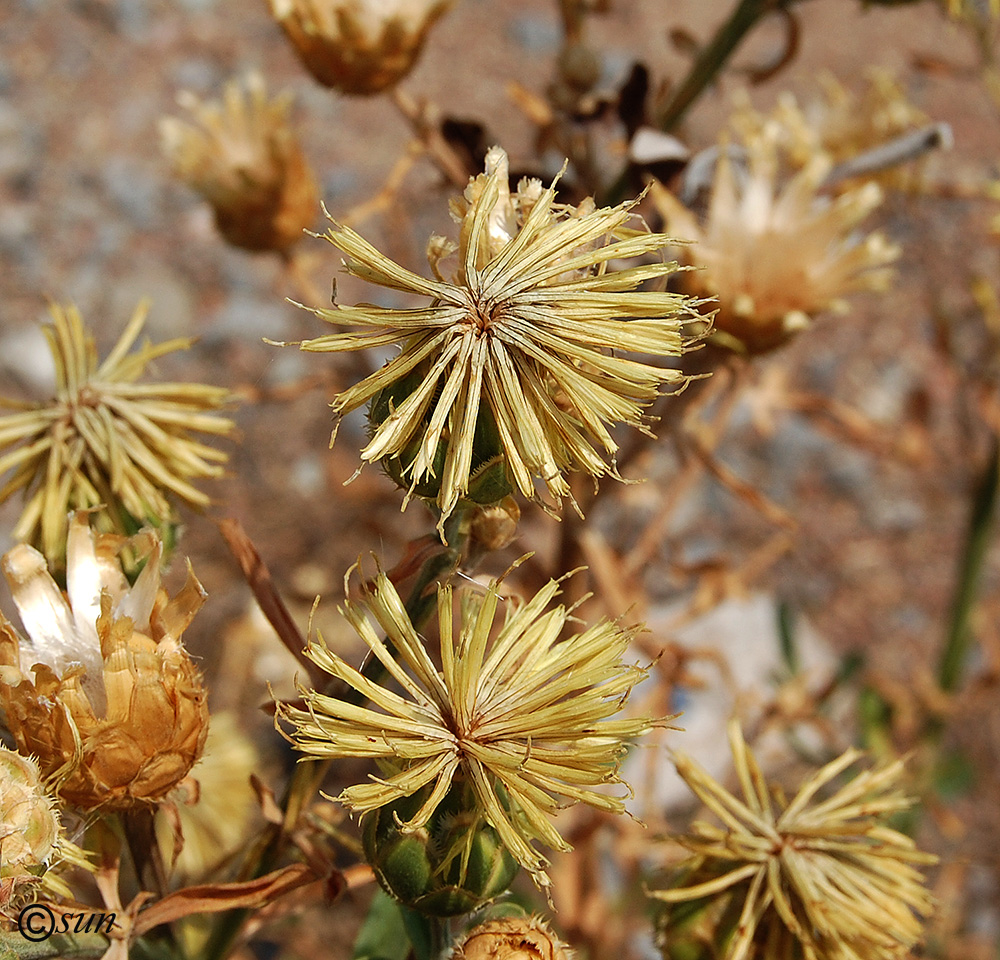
[[776, 254], [242, 156], [817, 878], [105, 438], [101, 691], [515, 364], [358, 46], [517, 714]]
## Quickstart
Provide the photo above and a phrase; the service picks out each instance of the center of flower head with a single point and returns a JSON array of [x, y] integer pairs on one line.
[[484, 314]]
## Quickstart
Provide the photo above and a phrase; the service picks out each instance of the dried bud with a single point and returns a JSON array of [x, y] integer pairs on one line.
[[243, 158], [512, 938], [116, 712], [495, 526], [358, 46], [29, 826]]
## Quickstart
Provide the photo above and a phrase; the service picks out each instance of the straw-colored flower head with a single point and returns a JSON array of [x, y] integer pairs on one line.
[[102, 692], [515, 370], [818, 878], [838, 125], [512, 938], [106, 440], [518, 714], [774, 254], [242, 156], [358, 46]]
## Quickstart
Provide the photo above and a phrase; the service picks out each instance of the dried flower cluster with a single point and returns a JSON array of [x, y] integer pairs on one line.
[[519, 348], [106, 440], [358, 46], [242, 156], [776, 254], [824, 879], [839, 125], [516, 711], [115, 712]]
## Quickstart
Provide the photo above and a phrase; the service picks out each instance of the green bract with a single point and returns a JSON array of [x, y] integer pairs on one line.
[[449, 867]]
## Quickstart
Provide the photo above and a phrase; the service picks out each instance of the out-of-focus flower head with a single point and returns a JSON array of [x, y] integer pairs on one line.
[[511, 938], [821, 878], [102, 692], [515, 713], [358, 46], [776, 254], [213, 809], [243, 157], [32, 842], [106, 440], [839, 125], [515, 371]]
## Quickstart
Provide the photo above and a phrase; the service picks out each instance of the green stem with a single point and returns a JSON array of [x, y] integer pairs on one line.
[[984, 508], [80, 946], [713, 57]]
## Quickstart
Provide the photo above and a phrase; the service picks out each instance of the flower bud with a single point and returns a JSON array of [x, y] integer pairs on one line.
[[512, 938], [358, 46], [451, 866], [29, 825]]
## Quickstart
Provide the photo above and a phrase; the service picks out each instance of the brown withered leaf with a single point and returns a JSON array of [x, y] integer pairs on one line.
[[217, 897]]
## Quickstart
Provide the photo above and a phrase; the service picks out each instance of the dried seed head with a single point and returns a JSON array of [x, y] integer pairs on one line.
[[115, 712], [821, 879], [512, 938], [775, 255], [358, 46], [515, 372], [521, 712], [242, 156], [105, 440]]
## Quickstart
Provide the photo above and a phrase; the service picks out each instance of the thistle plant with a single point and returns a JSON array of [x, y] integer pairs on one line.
[[106, 439], [514, 366], [822, 878], [518, 712]]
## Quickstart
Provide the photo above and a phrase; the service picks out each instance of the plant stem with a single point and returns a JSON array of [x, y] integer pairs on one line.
[[714, 56], [984, 508]]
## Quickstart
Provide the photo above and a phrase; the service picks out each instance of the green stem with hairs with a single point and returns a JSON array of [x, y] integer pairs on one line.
[[80, 946]]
